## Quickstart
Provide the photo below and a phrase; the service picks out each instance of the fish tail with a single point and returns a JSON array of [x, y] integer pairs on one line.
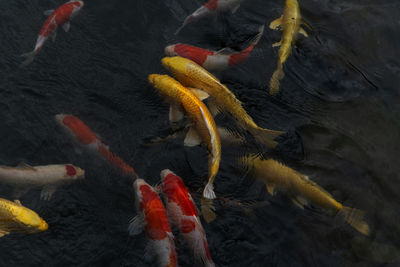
[[266, 136], [276, 77], [30, 56], [355, 217], [208, 210], [208, 192]]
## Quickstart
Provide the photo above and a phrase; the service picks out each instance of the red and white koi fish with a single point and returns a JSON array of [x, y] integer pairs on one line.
[[57, 18], [49, 177], [211, 7], [213, 60], [183, 214], [152, 217], [86, 137]]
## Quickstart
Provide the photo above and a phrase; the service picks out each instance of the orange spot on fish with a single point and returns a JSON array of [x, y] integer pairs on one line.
[[157, 224], [197, 54], [187, 226], [241, 56], [211, 5], [79, 129], [70, 170]]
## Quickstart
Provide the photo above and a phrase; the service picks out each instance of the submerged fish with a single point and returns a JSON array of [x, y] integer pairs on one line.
[[191, 74], [183, 214], [57, 18], [213, 60], [290, 23], [302, 190], [152, 217], [16, 218], [86, 137], [49, 177], [212, 6], [204, 129]]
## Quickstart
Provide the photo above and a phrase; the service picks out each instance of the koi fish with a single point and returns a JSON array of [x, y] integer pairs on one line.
[[57, 18], [191, 74], [213, 60], [183, 214], [47, 177], [290, 23], [302, 189], [16, 218], [211, 7], [204, 129], [86, 137], [152, 217]]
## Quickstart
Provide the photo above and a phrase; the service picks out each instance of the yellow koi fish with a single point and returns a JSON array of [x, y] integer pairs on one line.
[[204, 129], [191, 74], [16, 218], [302, 190], [290, 23]]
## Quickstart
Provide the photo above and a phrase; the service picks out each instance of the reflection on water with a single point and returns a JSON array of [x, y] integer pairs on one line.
[[338, 104]]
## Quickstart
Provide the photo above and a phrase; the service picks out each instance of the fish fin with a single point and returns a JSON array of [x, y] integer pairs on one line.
[[208, 192], [225, 51], [299, 202], [48, 12], [276, 24], [53, 36], [270, 189], [212, 107], [207, 210], [355, 217], [175, 113], [277, 44], [255, 39], [136, 225], [30, 56], [47, 192], [3, 233], [303, 32], [192, 138], [200, 94], [266, 136], [274, 83], [306, 24], [235, 8], [16, 201], [25, 166], [226, 135], [66, 26]]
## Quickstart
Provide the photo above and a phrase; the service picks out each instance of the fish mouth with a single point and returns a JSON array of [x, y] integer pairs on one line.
[[165, 173], [170, 50], [152, 78], [81, 2], [80, 174], [59, 118], [43, 226], [166, 62]]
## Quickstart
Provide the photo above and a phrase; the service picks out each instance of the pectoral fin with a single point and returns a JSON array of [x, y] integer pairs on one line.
[[3, 233], [274, 25], [200, 94], [306, 24], [175, 113], [47, 192], [17, 202], [303, 32], [136, 225], [66, 26], [299, 202], [271, 189], [212, 107], [48, 12], [235, 8], [225, 51], [192, 138], [277, 44]]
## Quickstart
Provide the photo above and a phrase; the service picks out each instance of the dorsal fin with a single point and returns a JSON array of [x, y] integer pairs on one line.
[[25, 166]]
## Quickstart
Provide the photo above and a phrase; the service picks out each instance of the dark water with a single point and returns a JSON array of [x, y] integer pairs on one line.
[[339, 102]]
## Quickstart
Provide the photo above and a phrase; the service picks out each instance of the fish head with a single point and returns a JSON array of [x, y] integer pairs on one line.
[[176, 65], [74, 172], [139, 183], [163, 84], [77, 128], [32, 220], [170, 182], [170, 51]]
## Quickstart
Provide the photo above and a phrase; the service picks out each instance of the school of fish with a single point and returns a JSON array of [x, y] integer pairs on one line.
[[170, 206]]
